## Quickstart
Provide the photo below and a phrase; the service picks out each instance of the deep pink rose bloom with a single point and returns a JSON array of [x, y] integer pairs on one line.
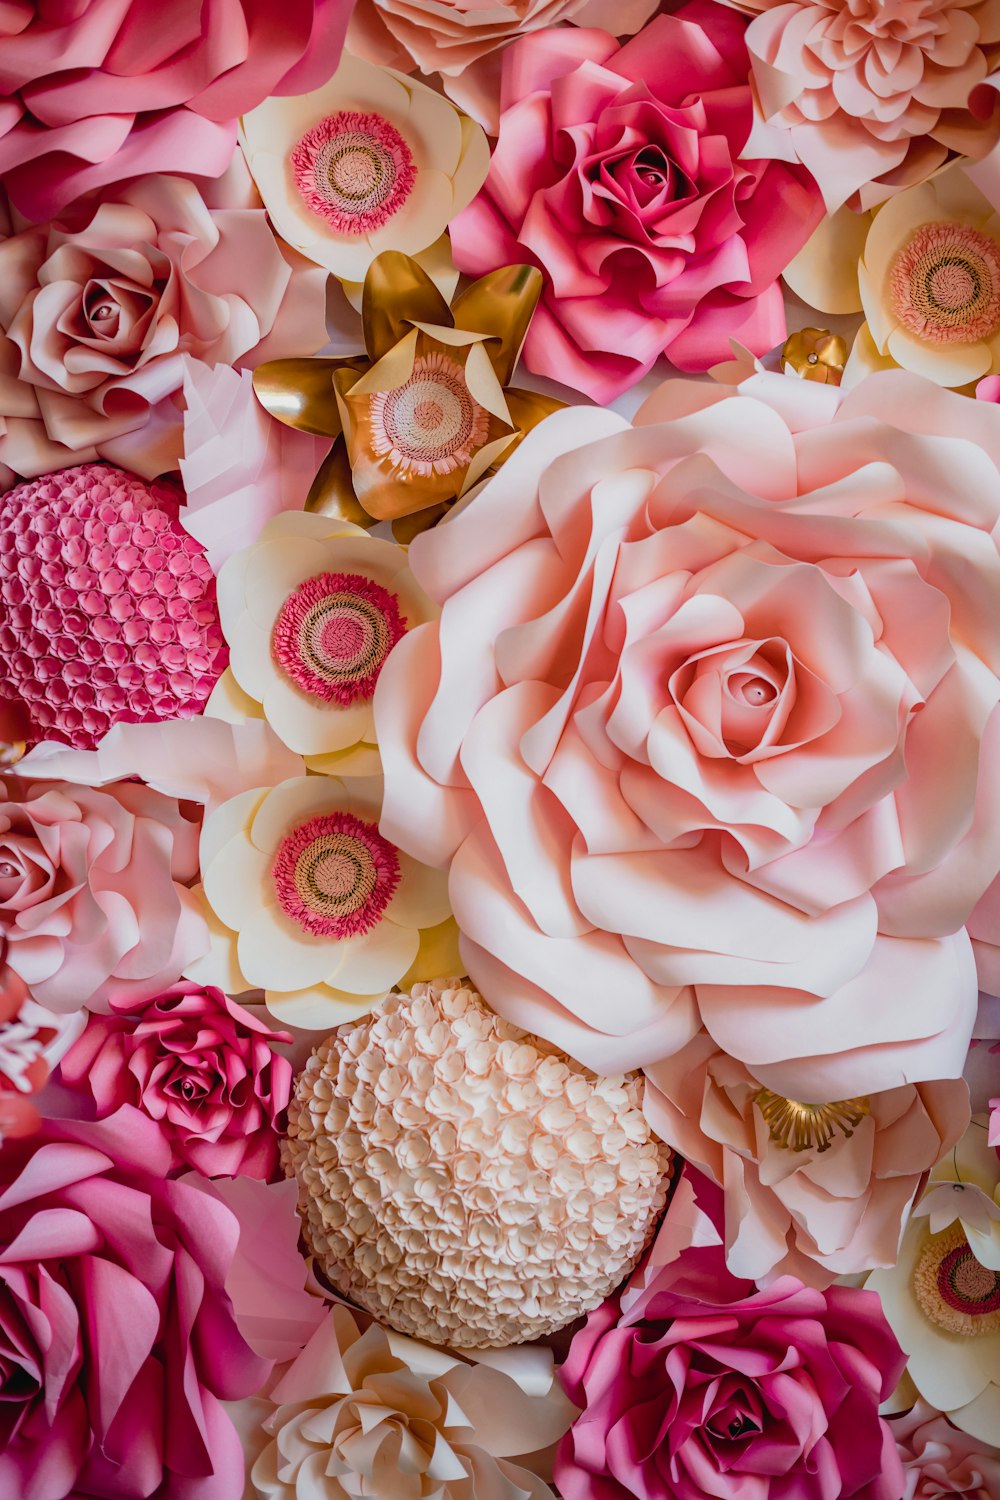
[[117, 1339], [707, 1387], [617, 172], [94, 91], [201, 1066]]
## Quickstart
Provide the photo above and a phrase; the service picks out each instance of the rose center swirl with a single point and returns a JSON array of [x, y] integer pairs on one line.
[[354, 169], [431, 424], [944, 285], [334, 875], [333, 634], [954, 1289]]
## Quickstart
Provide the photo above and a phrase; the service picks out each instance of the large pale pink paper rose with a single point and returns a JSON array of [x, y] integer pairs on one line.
[[95, 91], [93, 890], [98, 310], [686, 752], [940, 1460], [814, 1191], [619, 172], [201, 1066], [874, 97], [118, 1344]]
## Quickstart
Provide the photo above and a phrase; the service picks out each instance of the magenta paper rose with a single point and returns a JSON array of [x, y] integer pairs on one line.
[[118, 1343], [99, 309], [618, 172], [939, 1459], [93, 890], [874, 97], [199, 1065], [685, 752], [695, 1384], [94, 91]]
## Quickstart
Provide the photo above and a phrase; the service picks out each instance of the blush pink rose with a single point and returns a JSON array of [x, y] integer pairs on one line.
[[94, 897], [704, 1386], [32, 1041], [95, 91], [618, 172], [831, 1202], [118, 1343], [940, 1459], [98, 311], [199, 1065], [680, 742]]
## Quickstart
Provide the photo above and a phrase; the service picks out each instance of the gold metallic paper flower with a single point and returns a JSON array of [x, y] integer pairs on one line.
[[429, 412], [816, 354]]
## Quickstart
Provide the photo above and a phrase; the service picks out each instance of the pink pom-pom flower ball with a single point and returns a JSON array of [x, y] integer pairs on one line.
[[465, 1183], [107, 605]]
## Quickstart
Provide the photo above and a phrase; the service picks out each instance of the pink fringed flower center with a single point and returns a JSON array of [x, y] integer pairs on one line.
[[354, 170], [335, 874], [333, 634], [431, 424], [954, 1289], [944, 285]]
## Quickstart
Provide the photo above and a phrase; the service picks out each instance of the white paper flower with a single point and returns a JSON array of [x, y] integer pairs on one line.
[[372, 161], [312, 905], [311, 611]]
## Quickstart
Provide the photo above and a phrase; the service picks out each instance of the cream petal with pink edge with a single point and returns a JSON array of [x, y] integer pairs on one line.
[[228, 821], [289, 804], [433, 129], [308, 725], [420, 220], [250, 663], [319, 1008], [376, 960], [220, 965], [345, 258], [229, 702], [355, 85], [276, 954], [237, 882], [421, 898]]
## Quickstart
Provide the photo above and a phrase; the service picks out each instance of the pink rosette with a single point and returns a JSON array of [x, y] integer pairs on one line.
[[118, 1340], [99, 309], [694, 1383], [32, 1040], [939, 1459], [96, 92], [93, 890], [618, 172], [199, 1065], [682, 746]]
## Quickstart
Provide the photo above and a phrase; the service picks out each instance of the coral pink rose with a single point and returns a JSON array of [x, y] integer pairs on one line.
[[618, 173], [695, 1384], [814, 1191], [118, 1343], [682, 745], [871, 97], [94, 91], [198, 1064], [93, 897], [940, 1459], [97, 312]]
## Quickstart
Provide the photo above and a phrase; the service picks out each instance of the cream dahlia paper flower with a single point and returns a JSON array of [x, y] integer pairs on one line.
[[311, 611], [942, 1298], [371, 1413], [929, 280], [307, 901], [372, 161]]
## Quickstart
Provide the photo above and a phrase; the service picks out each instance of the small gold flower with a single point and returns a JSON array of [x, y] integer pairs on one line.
[[815, 354]]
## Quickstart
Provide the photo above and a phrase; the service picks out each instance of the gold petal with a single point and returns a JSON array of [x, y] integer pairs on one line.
[[332, 491], [299, 392], [398, 293], [528, 408], [500, 304], [405, 528]]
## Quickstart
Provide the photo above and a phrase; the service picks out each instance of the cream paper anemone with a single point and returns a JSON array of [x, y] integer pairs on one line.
[[307, 901], [942, 1298], [929, 280], [310, 612], [371, 161]]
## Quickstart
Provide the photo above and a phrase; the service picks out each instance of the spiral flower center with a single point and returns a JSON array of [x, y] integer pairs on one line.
[[954, 1289], [431, 424], [809, 1127], [334, 875], [333, 634], [944, 285], [354, 170], [755, 692]]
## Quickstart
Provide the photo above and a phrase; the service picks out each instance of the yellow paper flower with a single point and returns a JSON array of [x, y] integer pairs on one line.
[[311, 611], [373, 160], [307, 901]]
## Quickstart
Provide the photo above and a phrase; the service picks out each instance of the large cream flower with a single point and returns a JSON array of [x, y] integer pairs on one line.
[[370, 1413], [312, 905], [372, 161], [311, 611], [929, 280], [942, 1298]]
